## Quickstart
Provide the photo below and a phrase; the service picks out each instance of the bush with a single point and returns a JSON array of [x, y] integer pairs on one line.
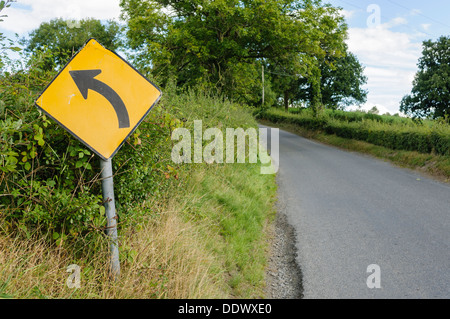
[[48, 179], [388, 131]]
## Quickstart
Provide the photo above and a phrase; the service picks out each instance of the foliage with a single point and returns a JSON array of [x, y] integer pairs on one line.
[[387, 131], [430, 95], [63, 38], [320, 36], [188, 231], [49, 179], [223, 44], [342, 83], [374, 110], [5, 43], [360, 116]]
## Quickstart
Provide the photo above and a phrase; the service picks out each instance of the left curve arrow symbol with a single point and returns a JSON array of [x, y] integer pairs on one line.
[[84, 79]]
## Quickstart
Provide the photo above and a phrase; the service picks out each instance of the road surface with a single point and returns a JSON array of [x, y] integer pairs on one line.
[[350, 211]]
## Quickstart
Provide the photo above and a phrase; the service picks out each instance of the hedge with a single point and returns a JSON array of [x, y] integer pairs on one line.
[[397, 136]]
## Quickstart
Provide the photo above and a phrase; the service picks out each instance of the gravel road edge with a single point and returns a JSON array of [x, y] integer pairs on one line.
[[283, 275]]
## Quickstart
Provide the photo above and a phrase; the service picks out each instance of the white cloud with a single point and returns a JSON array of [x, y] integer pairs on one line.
[[390, 59], [348, 13], [415, 12], [22, 20], [426, 26], [395, 22]]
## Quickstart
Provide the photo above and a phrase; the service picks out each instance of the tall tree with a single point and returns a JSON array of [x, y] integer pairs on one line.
[[325, 31], [63, 38], [222, 42], [341, 83], [298, 76], [430, 95]]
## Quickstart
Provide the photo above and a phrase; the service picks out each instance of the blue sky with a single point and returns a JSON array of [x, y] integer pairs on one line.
[[388, 47]]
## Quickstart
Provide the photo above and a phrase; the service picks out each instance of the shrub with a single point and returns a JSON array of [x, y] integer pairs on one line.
[[388, 131], [48, 179]]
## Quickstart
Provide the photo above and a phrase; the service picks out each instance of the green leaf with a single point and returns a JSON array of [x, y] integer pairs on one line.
[[15, 193], [51, 183]]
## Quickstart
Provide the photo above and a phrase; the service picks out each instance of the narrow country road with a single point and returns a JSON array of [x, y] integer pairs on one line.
[[350, 211]]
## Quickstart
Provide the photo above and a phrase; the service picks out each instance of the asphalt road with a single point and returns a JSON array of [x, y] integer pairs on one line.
[[350, 211]]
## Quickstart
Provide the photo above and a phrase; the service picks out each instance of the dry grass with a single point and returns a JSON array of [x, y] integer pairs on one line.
[[208, 241], [170, 257], [161, 259]]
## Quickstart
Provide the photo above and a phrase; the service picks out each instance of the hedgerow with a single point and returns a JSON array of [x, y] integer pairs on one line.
[[397, 134]]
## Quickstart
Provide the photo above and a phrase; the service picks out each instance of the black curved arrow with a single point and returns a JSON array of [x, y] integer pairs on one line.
[[84, 79]]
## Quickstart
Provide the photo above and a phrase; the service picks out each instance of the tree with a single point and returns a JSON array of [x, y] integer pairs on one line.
[[297, 73], [62, 38], [223, 43], [341, 84], [5, 43], [374, 110], [430, 95]]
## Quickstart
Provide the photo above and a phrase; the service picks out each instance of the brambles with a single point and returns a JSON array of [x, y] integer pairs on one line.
[[48, 179]]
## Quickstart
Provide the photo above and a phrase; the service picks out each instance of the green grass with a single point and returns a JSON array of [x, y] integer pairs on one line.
[[188, 231], [238, 201], [235, 200]]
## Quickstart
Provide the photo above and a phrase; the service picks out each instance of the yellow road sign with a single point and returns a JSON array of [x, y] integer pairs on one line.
[[99, 98]]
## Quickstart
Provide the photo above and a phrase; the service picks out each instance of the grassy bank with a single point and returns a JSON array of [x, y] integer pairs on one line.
[[431, 164], [186, 231]]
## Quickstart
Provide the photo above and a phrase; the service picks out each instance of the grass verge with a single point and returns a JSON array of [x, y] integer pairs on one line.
[[204, 237], [236, 203]]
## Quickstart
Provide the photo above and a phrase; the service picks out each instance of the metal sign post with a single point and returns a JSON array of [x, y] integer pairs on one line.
[[110, 208]]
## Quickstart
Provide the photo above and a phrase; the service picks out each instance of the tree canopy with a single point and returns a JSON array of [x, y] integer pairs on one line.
[[342, 83], [224, 44], [63, 38], [430, 95]]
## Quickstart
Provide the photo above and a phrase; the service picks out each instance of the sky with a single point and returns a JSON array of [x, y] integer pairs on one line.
[[390, 46], [385, 35]]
